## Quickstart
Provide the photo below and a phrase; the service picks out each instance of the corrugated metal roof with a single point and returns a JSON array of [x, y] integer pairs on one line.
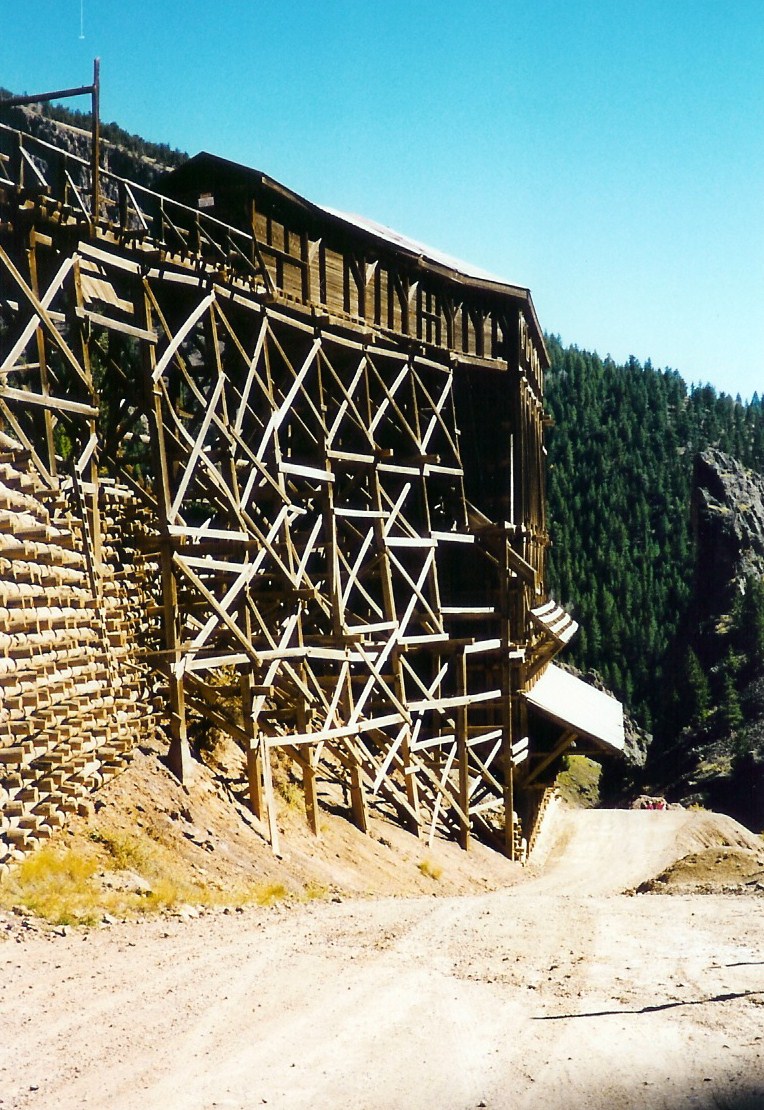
[[398, 240], [576, 705]]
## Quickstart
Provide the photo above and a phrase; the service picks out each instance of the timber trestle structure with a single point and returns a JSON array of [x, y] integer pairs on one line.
[[335, 444]]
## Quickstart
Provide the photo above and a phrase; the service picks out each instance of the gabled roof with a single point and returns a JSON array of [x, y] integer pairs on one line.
[[211, 173]]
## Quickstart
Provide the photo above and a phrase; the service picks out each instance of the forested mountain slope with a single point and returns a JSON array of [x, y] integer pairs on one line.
[[621, 456], [710, 747], [122, 153]]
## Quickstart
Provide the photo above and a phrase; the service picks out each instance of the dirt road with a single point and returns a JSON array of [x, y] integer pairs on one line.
[[560, 992]]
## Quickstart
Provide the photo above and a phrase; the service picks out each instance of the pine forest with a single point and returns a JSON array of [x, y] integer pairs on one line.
[[621, 455]]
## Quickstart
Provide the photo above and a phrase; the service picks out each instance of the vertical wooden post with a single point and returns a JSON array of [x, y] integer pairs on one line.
[[309, 789], [255, 778], [509, 777], [509, 807], [254, 763], [308, 770], [270, 798], [42, 355], [88, 469], [462, 749], [357, 793], [179, 754], [95, 168], [508, 697], [409, 770], [412, 793]]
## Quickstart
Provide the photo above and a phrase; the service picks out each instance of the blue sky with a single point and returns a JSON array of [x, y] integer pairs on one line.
[[609, 155]]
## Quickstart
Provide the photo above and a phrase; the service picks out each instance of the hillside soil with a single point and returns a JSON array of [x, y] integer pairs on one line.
[[556, 990], [152, 843]]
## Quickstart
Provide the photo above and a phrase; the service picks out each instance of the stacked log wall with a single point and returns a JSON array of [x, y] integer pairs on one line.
[[75, 697]]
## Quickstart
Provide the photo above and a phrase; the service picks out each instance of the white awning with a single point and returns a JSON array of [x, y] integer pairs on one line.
[[574, 704]]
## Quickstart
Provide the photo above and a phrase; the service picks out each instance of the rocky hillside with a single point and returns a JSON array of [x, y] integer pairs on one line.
[[125, 155], [728, 526], [716, 698], [620, 481]]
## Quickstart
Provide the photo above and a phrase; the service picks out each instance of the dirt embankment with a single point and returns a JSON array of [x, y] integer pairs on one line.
[[683, 851], [154, 844]]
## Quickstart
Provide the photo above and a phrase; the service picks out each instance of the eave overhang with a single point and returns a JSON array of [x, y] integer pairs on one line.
[[577, 707]]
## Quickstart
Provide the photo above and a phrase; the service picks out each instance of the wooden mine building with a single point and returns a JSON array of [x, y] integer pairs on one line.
[[333, 440]]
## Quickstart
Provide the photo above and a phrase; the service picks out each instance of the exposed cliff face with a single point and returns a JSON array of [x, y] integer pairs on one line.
[[728, 523], [718, 759]]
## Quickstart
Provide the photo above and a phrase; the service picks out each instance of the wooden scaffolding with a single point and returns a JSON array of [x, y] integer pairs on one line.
[[338, 438]]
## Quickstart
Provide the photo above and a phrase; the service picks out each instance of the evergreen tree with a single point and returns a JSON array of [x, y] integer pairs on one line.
[[748, 632], [620, 469], [730, 710], [698, 689]]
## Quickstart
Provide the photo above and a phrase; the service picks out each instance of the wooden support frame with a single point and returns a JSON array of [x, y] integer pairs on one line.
[[305, 475]]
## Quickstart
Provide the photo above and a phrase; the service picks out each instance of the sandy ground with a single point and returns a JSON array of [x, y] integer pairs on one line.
[[557, 992]]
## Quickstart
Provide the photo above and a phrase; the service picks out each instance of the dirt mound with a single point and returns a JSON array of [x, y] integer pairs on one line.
[[719, 856], [604, 851], [711, 871]]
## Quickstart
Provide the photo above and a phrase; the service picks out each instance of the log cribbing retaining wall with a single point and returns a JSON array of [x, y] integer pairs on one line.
[[75, 697]]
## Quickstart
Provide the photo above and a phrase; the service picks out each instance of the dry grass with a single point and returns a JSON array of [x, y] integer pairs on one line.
[[125, 852], [268, 894], [285, 782], [292, 794], [430, 870], [54, 884], [315, 892], [117, 875]]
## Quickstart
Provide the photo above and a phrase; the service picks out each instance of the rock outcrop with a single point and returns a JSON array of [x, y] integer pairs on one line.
[[717, 759], [728, 524]]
